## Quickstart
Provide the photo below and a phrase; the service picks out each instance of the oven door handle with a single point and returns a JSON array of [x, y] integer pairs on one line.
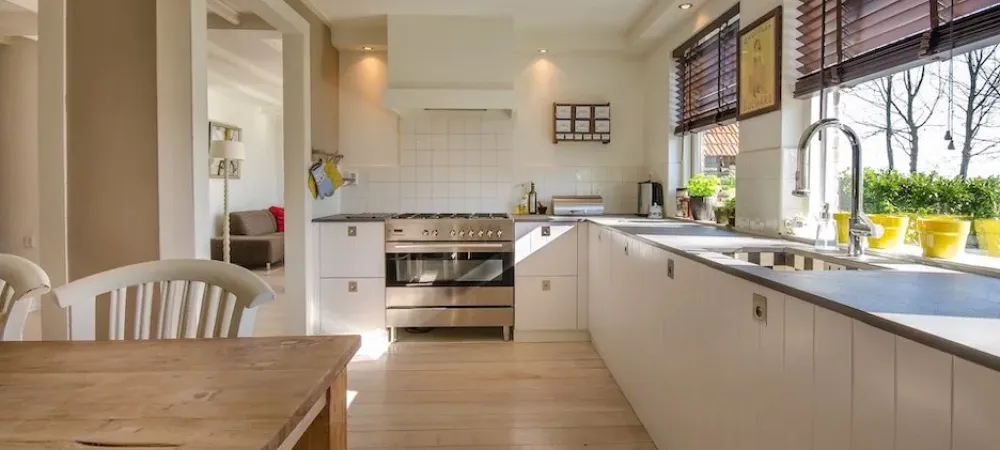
[[471, 247]]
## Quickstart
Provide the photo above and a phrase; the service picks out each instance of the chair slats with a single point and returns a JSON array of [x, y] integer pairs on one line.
[[170, 299]]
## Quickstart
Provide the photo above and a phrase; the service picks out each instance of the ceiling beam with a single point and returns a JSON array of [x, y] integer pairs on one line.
[[247, 21], [654, 22], [223, 10], [216, 51], [19, 24], [30, 5], [242, 88]]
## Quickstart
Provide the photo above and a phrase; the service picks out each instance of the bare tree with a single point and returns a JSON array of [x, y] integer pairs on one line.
[[977, 98], [915, 107], [904, 103]]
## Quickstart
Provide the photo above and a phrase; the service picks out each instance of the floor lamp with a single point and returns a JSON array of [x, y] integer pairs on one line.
[[228, 151]]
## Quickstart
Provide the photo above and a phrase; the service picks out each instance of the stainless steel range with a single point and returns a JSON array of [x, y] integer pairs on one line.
[[449, 270]]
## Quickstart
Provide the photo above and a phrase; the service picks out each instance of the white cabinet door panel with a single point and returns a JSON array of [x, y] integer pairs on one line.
[[352, 305], [551, 251], [977, 407], [797, 377], [583, 275], [874, 411], [545, 303], [832, 380], [923, 397], [352, 250]]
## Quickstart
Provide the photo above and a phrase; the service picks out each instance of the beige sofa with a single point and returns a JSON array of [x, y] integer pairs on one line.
[[254, 240]]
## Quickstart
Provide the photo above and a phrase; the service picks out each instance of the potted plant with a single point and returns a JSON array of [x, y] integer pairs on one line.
[[731, 210], [702, 189]]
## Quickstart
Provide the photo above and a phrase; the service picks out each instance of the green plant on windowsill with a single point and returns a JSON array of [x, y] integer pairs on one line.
[[702, 185]]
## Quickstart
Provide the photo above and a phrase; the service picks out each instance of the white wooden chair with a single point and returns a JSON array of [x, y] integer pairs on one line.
[[168, 299], [21, 283]]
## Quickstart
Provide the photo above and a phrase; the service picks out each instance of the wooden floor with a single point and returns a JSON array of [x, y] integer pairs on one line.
[[480, 395]]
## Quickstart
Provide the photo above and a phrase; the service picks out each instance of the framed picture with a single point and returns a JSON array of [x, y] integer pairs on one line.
[[218, 131], [760, 66]]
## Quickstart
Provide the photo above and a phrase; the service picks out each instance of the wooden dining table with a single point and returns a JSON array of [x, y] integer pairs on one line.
[[281, 393]]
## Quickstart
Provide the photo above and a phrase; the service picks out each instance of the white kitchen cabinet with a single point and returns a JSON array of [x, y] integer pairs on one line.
[[583, 276], [796, 384], [598, 286], [550, 250], [545, 304], [976, 407], [832, 388], [352, 250], [352, 305], [873, 425], [923, 396]]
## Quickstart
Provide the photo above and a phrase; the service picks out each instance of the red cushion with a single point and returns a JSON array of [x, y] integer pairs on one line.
[[279, 216]]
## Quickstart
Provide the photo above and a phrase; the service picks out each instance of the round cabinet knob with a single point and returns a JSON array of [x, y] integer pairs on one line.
[[426, 233], [453, 232], [481, 233]]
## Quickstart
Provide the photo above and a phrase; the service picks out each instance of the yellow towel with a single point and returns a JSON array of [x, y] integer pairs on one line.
[[332, 172]]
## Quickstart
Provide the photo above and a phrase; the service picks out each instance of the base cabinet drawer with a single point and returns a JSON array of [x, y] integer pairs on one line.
[[352, 305], [545, 303]]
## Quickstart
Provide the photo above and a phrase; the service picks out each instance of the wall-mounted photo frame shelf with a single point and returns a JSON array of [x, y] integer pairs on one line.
[[581, 122]]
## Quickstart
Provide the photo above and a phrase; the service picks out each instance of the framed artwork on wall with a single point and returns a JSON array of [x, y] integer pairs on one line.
[[218, 131], [760, 66]]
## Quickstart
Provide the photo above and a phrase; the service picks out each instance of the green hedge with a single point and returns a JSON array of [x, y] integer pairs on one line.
[[924, 193]]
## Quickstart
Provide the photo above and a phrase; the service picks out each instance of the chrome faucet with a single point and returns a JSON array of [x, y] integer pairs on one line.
[[860, 226]]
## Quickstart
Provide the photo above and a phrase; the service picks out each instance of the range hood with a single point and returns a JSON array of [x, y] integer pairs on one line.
[[450, 62]]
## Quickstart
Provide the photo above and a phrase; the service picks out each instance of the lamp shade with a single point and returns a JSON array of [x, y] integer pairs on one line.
[[228, 150]]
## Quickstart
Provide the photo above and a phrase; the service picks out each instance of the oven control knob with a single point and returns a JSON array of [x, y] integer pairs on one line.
[[461, 233], [435, 232], [499, 233], [481, 233], [426, 233], [453, 232], [489, 233]]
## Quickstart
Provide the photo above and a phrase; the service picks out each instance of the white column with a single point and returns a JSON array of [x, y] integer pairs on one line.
[[182, 128], [299, 239], [52, 241]]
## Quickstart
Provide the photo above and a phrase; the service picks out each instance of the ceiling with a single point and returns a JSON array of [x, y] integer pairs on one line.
[[592, 15], [248, 61]]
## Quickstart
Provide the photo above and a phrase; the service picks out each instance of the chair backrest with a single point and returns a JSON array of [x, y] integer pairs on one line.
[[21, 283], [168, 299]]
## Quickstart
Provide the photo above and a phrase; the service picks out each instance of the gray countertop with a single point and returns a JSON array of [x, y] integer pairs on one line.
[[958, 313], [378, 217]]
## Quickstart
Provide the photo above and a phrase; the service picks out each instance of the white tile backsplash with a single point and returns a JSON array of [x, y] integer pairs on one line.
[[462, 162]]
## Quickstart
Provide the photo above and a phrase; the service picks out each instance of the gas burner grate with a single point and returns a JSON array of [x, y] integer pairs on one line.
[[451, 216]]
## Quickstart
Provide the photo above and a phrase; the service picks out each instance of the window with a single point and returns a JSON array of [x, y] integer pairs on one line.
[[706, 75], [865, 38], [719, 146]]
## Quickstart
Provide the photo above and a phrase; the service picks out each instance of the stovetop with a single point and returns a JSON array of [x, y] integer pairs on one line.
[[460, 227], [451, 216]]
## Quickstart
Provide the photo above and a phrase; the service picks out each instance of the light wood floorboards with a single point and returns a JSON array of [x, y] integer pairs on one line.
[[480, 395]]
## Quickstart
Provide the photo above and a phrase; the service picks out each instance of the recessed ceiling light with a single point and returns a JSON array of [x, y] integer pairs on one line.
[[543, 50], [366, 48], [685, 6]]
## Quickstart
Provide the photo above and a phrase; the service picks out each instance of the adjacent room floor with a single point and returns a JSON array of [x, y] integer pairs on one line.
[[480, 395]]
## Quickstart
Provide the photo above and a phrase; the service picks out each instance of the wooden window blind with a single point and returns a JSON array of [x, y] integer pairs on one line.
[[707, 77], [865, 38]]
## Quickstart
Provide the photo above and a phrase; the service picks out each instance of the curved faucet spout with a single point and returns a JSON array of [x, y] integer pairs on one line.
[[860, 225]]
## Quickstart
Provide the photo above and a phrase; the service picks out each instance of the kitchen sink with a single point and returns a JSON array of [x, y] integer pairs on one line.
[[800, 260]]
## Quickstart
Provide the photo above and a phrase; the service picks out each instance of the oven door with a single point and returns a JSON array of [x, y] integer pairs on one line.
[[449, 264]]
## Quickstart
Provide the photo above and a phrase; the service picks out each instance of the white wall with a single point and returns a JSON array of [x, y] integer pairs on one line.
[[19, 147], [370, 140], [261, 185]]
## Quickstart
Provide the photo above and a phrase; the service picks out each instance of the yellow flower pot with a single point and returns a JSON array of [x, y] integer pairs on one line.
[[943, 237], [895, 231], [988, 235], [843, 220]]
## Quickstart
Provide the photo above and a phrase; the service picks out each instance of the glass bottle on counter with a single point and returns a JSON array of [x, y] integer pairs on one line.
[[532, 200], [826, 230]]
